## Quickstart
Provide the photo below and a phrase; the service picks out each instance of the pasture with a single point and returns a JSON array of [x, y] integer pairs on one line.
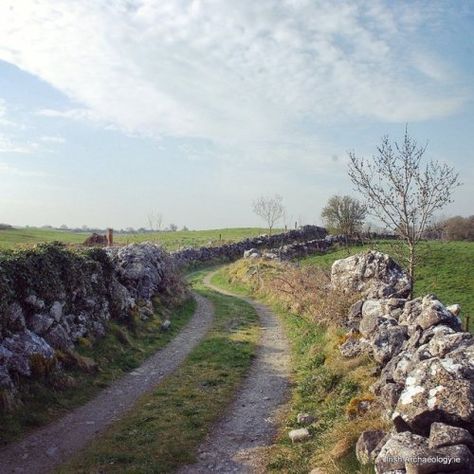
[[21, 237]]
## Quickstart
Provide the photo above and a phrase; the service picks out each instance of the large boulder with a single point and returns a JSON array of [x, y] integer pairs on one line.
[[411, 453], [374, 274], [427, 312], [439, 389], [388, 342], [442, 435], [366, 447], [140, 268], [17, 351]]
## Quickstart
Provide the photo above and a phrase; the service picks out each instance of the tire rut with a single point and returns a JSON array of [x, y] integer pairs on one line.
[[56, 443]]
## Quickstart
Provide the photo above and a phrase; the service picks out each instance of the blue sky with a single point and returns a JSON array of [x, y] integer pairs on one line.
[[110, 110]]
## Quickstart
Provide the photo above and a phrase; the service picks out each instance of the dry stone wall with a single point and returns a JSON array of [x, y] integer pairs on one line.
[[50, 297], [426, 365], [234, 251]]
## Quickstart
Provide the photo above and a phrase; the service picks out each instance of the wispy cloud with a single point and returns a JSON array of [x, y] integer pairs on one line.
[[6, 168], [9, 140], [235, 72], [53, 139]]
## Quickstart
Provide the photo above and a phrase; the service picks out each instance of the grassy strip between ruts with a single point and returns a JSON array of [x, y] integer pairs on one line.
[[93, 367], [323, 385], [166, 426]]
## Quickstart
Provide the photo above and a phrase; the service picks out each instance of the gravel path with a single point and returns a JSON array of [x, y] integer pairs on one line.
[[235, 443], [55, 443]]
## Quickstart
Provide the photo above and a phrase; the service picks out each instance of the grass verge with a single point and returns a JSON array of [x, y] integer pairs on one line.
[[120, 351], [331, 389], [167, 425]]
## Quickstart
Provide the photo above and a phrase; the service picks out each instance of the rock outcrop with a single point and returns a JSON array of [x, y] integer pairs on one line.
[[426, 365]]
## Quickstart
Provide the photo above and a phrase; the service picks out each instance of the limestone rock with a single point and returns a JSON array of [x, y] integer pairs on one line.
[[454, 309], [165, 325], [140, 267], [354, 346], [355, 314], [299, 435], [445, 435], [374, 274], [397, 448], [304, 418], [438, 390], [249, 253], [15, 319], [390, 394], [22, 346], [370, 324], [388, 342], [58, 338], [56, 311], [39, 323], [367, 444], [35, 302]]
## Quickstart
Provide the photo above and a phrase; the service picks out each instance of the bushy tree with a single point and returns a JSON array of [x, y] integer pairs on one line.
[[401, 191], [270, 209], [458, 228], [344, 215]]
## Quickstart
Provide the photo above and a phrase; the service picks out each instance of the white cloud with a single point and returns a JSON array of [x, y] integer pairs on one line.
[[5, 168], [9, 140], [231, 72], [52, 139]]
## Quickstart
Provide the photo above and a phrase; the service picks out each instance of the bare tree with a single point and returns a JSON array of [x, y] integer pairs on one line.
[[155, 221], [401, 191], [270, 209], [344, 214]]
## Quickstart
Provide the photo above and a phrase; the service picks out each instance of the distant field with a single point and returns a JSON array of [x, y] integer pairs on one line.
[[12, 238], [193, 238], [447, 270]]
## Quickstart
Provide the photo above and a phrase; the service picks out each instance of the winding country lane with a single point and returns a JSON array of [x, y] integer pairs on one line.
[[235, 442], [54, 444]]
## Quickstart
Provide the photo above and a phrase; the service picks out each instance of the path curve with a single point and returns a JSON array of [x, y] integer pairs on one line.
[[234, 444], [54, 444]]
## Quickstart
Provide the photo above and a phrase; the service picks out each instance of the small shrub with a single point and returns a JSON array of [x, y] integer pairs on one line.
[[359, 406]]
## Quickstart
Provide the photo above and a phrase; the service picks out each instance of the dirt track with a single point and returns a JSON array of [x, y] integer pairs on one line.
[[235, 442]]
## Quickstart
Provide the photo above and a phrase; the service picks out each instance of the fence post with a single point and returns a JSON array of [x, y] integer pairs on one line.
[[466, 327], [110, 237]]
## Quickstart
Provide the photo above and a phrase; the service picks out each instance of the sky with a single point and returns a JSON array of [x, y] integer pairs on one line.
[[112, 110]]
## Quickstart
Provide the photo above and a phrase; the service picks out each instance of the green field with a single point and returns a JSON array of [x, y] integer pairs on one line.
[[194, 238], [11, 238], [446, 269]]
